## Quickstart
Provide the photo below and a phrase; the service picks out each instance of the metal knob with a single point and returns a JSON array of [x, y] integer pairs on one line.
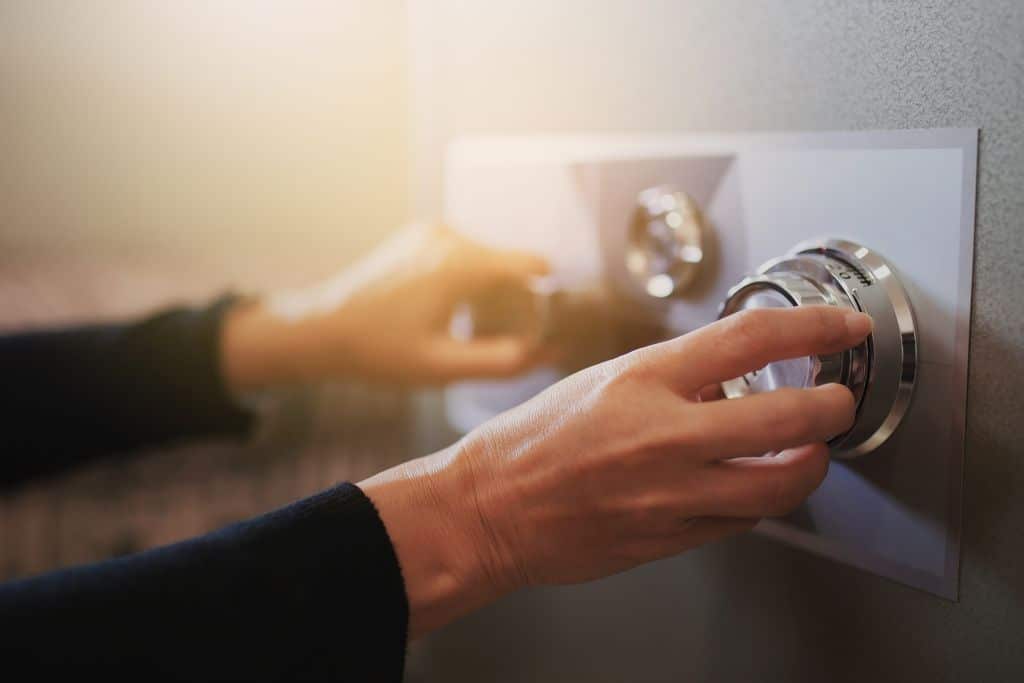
[[666, 241], [880, 371]]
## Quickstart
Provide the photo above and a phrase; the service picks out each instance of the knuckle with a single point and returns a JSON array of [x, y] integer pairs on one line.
[[783, 497], [613, 393], [643, 511], [648, 510], [629, 370], [615, 383]]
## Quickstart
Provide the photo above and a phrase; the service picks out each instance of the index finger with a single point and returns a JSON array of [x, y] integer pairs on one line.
[[749, 340], [508, 264]]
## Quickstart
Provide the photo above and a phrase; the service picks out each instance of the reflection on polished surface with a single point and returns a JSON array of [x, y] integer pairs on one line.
[[583, 325], [666, 241]]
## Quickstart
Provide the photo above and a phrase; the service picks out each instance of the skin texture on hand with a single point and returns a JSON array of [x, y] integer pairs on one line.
[[386, 319], [620, 464]]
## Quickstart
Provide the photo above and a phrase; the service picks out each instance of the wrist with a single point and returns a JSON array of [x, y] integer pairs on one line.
[[259, 348], [447, 558]]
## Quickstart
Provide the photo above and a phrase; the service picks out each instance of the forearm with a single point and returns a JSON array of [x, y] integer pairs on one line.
[[73, 393], [311, 591]]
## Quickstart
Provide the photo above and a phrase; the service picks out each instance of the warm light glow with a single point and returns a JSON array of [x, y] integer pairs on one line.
[[206, 127]]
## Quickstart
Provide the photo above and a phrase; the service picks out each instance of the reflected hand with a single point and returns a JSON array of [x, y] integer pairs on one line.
[[387, 318]]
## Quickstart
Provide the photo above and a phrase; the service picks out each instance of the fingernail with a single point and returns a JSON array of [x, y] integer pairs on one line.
[[859, 324]]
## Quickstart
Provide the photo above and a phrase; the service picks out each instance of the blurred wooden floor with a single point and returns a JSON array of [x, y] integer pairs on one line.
[[314, 438]]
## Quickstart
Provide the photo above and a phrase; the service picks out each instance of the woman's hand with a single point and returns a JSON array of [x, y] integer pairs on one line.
[[386, 319], [618, 465]]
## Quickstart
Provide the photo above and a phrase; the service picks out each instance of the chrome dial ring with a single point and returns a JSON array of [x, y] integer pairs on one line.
[[880, 372]]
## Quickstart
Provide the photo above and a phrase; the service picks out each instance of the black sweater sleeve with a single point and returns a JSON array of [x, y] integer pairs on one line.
[[72, 394], [309, 592]]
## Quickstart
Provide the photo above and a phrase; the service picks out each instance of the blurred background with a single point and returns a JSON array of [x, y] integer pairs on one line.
[[244, 138], [161, 152]]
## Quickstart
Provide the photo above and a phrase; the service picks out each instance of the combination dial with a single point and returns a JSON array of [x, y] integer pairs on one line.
[[880, 371]]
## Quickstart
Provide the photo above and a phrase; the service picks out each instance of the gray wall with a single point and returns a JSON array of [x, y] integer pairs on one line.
[[751, 609]]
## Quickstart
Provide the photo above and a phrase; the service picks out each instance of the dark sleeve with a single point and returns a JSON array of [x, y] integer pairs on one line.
[[75, 393], [310, 592]]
